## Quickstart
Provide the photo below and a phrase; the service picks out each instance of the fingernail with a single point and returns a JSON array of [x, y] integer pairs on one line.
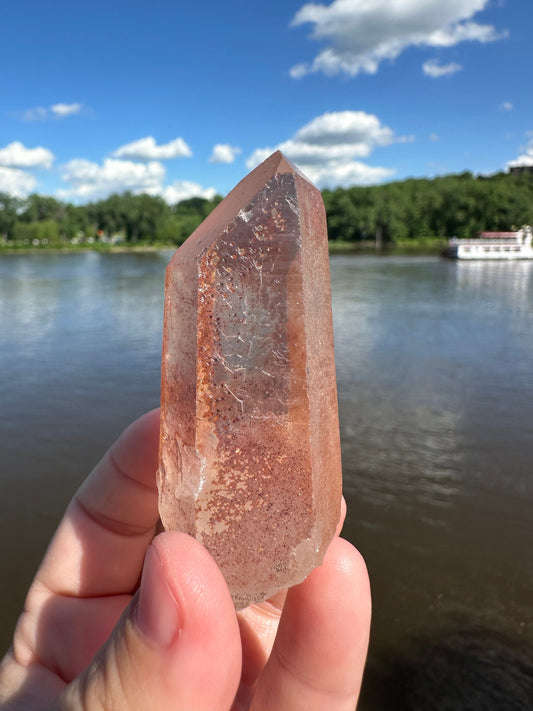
[[158, 614]]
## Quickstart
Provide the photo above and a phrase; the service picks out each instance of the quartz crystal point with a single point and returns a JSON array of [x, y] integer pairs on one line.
[[250, 454]]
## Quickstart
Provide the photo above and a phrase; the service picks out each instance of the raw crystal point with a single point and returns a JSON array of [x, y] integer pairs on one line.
[[250, 453]]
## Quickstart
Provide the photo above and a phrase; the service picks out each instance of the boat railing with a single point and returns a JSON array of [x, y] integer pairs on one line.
[[485, 243], [491, 247], [497, 240]]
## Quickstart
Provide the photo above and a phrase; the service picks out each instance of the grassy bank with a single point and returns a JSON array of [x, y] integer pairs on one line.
[[423, 245], [427, 245], [73, 248], [430, 245]]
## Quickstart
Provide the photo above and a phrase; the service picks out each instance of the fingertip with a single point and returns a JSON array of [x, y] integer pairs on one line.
[[136, 450], [194, 577], [340, 585], [146, 424], [347, 562], [182, 590], [342, 517], [157, 613], [208, 644], [181, 630], [336, 596]]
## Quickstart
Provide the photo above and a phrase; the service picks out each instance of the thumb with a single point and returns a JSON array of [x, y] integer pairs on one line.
[[177, 646]]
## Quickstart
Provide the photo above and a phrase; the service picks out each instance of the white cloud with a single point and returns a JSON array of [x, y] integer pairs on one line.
[[261, 154], [434, 137], [89, 181], [183, 190], [506, 106], [356, 129], [147, 149], [16, 155], [56, 111], [360, 35], [224, 153], [525, 159], [347, 173], [63, 110], [463, 32], [38, 113], [92, 181], [299, 70], [433, 68], [16, 182], [325, 148]]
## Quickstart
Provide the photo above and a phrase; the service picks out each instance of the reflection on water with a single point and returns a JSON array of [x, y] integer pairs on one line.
[[432, 369], [435, 397], [497, 283], [436, 406], [73, 321]]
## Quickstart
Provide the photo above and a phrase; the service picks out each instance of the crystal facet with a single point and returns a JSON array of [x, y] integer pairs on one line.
[[250, 454]]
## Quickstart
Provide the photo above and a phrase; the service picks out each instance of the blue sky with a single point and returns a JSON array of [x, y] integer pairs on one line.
[[182, 99]]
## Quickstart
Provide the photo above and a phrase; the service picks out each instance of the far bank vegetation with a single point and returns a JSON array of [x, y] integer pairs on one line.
[[398, 213]]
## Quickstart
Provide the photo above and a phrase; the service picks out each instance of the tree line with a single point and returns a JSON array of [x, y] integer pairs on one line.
[[414, 209], [418, 209], [128, 217]]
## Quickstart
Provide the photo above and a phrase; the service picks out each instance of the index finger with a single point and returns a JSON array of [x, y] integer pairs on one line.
[[99, 546]]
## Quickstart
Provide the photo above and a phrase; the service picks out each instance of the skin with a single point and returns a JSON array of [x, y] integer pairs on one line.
[[119, 618]]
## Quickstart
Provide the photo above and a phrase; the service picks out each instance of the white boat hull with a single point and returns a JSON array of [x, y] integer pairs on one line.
[[488, 253], [493, 245]]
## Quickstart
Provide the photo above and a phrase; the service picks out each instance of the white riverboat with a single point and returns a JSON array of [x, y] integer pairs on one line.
[[493, 245]]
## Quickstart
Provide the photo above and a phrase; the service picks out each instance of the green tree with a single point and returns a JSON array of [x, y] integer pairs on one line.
[[9, 208], [45, 231], [37, 208]]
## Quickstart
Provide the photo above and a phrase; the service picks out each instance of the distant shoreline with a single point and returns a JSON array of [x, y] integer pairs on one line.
[[103, 249], [414, 247]]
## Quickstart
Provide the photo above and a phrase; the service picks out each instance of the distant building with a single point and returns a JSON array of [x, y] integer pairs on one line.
[[521, 169]]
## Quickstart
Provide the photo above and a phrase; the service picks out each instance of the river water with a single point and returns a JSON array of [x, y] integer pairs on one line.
[[436, 405]]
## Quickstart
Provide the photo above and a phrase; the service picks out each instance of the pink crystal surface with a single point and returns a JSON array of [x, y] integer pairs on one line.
[[250, 454]]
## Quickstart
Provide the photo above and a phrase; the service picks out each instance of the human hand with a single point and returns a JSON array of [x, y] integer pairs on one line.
[[101, 631]]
